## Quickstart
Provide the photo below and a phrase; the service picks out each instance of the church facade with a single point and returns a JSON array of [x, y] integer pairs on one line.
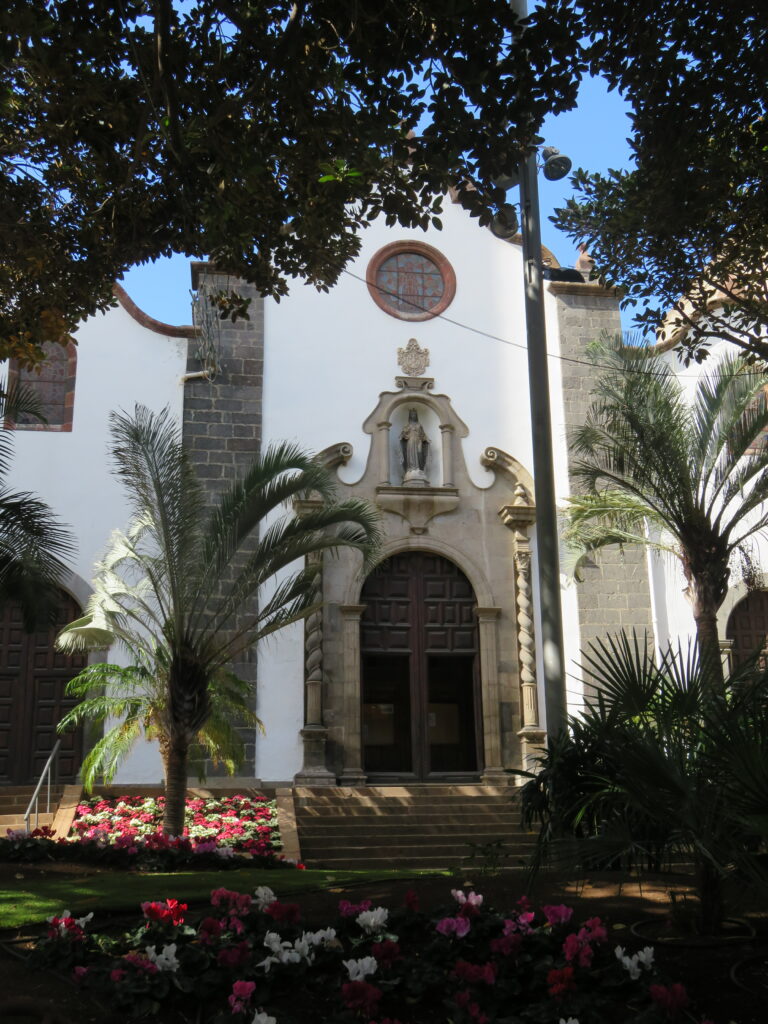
[[409, 381]]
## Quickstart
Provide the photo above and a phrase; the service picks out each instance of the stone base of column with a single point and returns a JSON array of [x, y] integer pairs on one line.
[[314, 771], [496, 777], [353, 777], [533, 742]]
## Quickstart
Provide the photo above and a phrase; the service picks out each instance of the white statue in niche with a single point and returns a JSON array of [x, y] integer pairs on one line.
[[414, 449]]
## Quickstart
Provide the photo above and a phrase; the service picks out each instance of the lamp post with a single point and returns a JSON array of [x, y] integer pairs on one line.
[[505, 225], [547, 538]]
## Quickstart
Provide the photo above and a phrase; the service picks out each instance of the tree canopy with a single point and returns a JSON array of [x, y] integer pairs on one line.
[[684, 230], [262, 135], [266, 135]]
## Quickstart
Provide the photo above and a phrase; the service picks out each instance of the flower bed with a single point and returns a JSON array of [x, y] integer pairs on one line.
[[249, 960], [240, 823], [127, 832]]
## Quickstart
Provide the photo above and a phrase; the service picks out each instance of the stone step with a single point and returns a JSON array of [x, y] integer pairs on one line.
[[416, 862], [336, 830], [395, 848], [19, 796], [413, 789], [410, 799], [16, 821], [308, 816]]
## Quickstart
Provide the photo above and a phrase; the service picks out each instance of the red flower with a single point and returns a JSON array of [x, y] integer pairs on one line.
[[560, 982], [170, 912], [210, 929], [475, 974], [507, 945], [359, 995], [285, 913], [412, 901], [386, 953], [671, 999], [234, 956]]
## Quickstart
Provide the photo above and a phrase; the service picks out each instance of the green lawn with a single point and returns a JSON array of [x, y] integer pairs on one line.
[[32, 899]]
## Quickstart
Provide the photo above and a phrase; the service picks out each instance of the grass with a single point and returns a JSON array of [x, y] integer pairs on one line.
[[33, 898]]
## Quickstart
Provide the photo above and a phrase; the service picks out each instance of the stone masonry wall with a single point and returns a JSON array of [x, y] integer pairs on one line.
[[614, 593], [223, 419]]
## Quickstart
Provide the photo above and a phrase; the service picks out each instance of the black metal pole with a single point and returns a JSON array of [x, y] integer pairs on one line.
[[547, 537]]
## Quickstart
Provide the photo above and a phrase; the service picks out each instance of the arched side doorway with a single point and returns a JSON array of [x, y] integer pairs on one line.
[[32, 700], [747, 628], [419, 670]]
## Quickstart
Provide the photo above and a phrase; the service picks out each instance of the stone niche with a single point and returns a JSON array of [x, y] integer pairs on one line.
[[483, 531]]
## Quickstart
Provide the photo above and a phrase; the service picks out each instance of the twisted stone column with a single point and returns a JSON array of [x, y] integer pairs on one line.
[[526, 640], [314, 734]]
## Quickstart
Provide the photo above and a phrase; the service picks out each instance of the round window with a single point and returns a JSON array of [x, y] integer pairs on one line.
[[411, 280]]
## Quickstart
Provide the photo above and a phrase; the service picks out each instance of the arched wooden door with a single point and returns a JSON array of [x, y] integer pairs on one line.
[[32, 701], [420, 670], [748, 626]]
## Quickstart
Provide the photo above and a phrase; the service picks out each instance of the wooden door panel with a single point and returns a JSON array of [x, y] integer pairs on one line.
[[748, 626], [33, 676], [422, 605]]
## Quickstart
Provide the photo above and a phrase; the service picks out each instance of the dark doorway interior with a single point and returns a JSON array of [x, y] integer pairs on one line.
[[419, 670]]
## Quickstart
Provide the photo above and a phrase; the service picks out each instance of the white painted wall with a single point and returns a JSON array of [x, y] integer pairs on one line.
[[119, 363], [329, 356]]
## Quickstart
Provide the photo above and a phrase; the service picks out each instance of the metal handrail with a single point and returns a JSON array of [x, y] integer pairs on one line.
[[35, 801]]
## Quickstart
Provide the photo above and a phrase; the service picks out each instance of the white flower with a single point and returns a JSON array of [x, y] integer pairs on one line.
[[459, 896], [264, 896], [225, 851], [620, 952], [273, 942], [358, 970], [164, 961], [81, 922], [323, 937], [373, 921], [571, 1020], [263, 1018], [645, 957], [304, 949]]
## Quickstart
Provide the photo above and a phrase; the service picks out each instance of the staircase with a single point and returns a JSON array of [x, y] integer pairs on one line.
[[14, 801], [418, 826]]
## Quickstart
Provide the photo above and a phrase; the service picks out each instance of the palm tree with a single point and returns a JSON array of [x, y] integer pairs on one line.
[[654, 766], [132, 701], [191, 587], [33, 544], [686, 477]]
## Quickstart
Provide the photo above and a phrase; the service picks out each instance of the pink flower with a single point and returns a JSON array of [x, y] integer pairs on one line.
[[458, 926], [594, 930], [412, 901], [521, 923], [577, 948], [671, 999], [116, 974], [79, 973], [559, 914], [347, 909], [241, 996]]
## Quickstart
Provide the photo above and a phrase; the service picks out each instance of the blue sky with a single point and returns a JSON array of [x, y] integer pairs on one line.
[[594, 136]]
